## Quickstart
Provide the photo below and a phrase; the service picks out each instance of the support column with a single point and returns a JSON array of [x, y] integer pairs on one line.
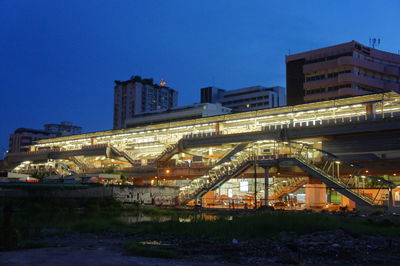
[[198, 202], [255, 185], [315, 194], [390, 199], [348, 203], [266, 184], [219, 127]]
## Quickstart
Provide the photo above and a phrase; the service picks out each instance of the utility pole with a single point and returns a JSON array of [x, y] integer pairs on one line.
[[255, 181], [266, 183]]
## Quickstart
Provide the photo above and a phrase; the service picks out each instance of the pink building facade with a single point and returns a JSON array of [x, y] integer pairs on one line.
[[343, 70]]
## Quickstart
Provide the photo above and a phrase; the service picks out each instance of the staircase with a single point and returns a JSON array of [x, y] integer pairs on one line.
[[81, 165], [123, 154], [317, 163], [65, 168], [291, 186], [167, 153], [326, 166], [231, 165]]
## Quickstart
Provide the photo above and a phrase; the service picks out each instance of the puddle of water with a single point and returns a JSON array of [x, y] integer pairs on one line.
[[131, 218]]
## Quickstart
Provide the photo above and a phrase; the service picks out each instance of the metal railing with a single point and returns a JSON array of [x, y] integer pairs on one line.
[[216, 175], [286, 187], [347, 176]]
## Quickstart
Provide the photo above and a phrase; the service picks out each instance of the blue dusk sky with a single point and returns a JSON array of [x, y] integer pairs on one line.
[[59, 59]]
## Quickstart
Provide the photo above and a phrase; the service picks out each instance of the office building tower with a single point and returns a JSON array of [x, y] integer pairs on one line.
[[22, 138], [245, 99], [343, 70]]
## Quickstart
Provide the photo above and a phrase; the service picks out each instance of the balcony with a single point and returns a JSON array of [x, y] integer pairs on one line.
[[350, 77], [334, 94], [345, 61], [394, 71], [320, 83]]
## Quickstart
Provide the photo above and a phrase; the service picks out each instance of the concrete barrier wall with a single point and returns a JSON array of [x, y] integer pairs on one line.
[[147, 195], [166, 196]]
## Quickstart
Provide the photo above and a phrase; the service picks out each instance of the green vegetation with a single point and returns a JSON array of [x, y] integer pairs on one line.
[[40, 175], [269, 224], [31, 218], [123, 176], [376, 212], [139, 249]]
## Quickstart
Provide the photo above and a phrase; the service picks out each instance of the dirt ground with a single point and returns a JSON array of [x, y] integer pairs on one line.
[[321, 248], [77, 249]]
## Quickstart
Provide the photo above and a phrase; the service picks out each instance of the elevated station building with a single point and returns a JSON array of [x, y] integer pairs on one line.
[[249, 158]]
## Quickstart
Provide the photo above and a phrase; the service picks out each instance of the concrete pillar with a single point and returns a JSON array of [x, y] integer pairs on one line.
[[219, 127], [209, 199], [390, 198], [370, 108], [198, 202], [266, 184], [346, 202], [316, 196]]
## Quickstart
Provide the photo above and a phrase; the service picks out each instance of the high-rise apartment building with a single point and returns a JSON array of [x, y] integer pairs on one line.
[[139, 96], [245, 99], [343, 70]]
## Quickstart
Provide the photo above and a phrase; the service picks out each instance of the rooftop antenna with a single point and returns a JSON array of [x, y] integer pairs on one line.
[[289, 51], [374, 42]]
